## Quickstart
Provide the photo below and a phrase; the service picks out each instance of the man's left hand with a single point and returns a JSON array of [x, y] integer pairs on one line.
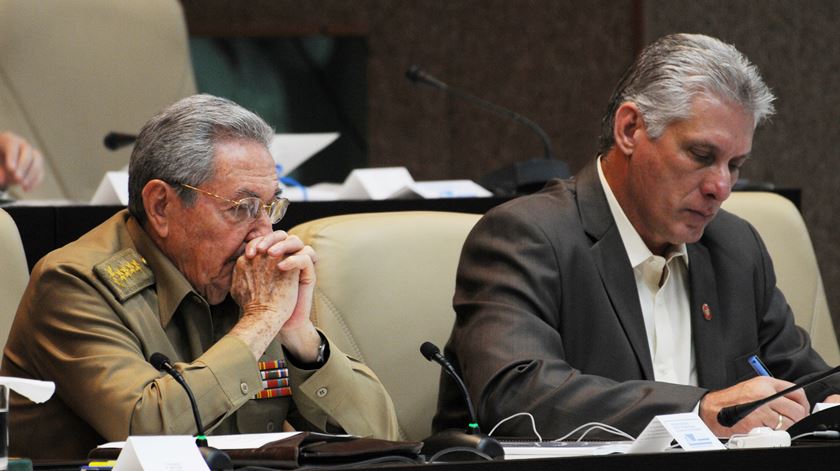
[[298, 334]]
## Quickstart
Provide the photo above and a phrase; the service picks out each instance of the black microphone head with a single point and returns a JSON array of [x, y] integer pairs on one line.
[[429, 350], [117, 140], [158, 360], [413, 73], [418, 75]]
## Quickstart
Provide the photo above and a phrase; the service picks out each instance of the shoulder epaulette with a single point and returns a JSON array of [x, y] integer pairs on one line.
[[125, 273]]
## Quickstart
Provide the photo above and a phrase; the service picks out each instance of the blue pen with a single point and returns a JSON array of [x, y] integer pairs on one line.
[[758, 366]]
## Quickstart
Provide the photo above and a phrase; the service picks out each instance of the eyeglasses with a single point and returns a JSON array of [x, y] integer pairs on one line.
[[248, 208]]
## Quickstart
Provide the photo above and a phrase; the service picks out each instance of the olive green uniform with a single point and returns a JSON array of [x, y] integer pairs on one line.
[[98, 308]]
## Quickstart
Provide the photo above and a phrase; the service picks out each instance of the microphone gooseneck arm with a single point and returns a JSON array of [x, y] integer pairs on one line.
[[432, 353], [729, 416], [161, 362], [417, 75]]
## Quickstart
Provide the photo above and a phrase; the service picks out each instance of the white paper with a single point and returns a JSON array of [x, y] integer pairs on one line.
[[241, 441], [112, 190], [155, 453], [442, 189], [291, 150], [374, 183], [34, 390], [820, 406], [687, 429], [518, 451], [245, 441]]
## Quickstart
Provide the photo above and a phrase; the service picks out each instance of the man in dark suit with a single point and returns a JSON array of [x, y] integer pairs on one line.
[[625, 293]]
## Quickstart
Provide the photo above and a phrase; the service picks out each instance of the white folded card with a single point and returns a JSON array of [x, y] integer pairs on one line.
[[34, 390], [687, 429], [164, 452]]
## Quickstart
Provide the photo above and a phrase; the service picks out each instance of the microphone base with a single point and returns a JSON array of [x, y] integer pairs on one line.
[[524, 177], [217, 460], [453, 438], [824, 420]]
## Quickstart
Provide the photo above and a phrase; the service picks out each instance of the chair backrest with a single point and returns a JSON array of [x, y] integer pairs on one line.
[[13, 276], [73, 70], [798, 276], [385, 285]]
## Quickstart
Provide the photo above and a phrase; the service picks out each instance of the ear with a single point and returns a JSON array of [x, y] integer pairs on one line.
[[158, 200], [628, 122]]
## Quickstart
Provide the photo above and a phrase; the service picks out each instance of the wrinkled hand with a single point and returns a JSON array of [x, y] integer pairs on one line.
[[20, 163], [274, 282], [793, 406], [290, 254], [262, 290]]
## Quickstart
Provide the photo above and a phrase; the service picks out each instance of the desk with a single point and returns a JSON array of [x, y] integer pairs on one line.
[[45, 228], [807, 456]]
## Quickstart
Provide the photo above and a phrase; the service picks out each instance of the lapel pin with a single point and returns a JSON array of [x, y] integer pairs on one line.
[[707, 312]]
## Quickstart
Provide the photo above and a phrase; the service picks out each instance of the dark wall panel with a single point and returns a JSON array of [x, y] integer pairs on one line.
[[796, 45], [556, 61]]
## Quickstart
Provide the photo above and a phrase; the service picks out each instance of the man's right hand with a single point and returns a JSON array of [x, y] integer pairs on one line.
[[20, 163], [267, 296], [791, 407]]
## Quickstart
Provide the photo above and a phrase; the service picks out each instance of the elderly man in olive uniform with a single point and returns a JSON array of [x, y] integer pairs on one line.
[[192, 270]]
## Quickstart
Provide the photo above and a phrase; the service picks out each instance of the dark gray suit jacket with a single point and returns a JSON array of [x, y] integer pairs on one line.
[[549, 320]]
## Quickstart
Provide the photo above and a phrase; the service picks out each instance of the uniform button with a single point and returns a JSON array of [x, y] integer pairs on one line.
[[321, 392], [269, 427], [244, 388]]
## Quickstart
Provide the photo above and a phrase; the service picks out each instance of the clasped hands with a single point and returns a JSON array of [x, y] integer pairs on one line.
[[273, 282]]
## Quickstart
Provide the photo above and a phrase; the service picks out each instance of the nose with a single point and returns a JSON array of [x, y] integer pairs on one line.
[[718, 182], [260, 226]]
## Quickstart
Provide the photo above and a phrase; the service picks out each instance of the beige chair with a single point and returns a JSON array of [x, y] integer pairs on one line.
[[73, 70], [386, 280], [385, 285], [14, 274], [798, 276]]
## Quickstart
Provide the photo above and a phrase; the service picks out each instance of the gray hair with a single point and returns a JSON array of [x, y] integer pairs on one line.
[[178, 144], [671, 71]]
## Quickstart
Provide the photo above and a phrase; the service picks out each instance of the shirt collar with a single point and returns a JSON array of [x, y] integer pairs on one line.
[[172, 286], [637, 250]]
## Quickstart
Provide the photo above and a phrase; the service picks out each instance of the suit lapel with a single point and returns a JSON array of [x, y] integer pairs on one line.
[[706, 325], [618, 278]]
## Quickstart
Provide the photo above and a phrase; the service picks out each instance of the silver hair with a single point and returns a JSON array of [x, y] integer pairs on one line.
[[178, 144], [673, 70]]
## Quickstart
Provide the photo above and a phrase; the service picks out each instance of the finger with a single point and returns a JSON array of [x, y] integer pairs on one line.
[[24, 164], [834, 398], [799, 398], [286, 247], [9, 153], [263, 243], [35, 172], [789, 408], [304, 260]]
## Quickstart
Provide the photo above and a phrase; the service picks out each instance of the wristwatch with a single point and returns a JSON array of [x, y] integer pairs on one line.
[[320, 359]]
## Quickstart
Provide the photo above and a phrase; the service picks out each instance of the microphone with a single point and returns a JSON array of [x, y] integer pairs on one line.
[[216, 459], [116, 140], [521, 177], [473, 438], [729, 416]]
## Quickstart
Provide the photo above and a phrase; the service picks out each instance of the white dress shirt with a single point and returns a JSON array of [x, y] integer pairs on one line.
[[662, 284]]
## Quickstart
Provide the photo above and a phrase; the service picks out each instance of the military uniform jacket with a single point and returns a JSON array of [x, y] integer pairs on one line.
[[96, 310]]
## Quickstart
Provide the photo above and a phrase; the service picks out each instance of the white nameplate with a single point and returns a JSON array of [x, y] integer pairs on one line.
[[687, 429], [169, 452]]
